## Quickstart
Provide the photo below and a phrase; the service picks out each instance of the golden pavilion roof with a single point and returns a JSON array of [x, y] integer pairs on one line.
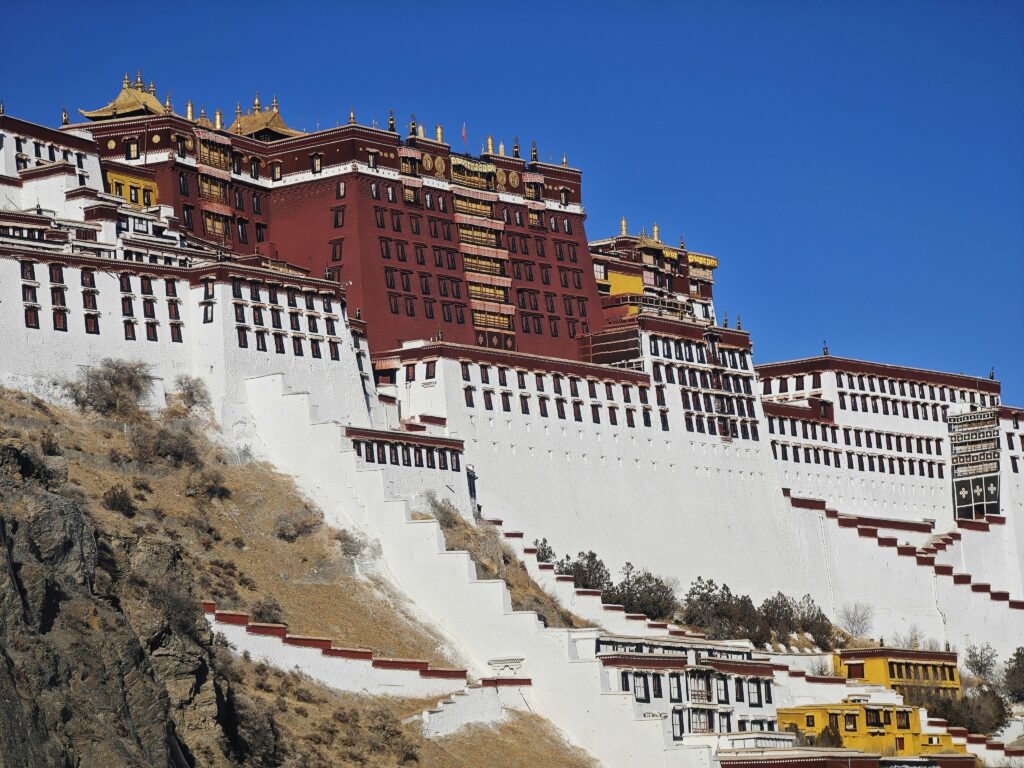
[[265, 124], [134, 99]]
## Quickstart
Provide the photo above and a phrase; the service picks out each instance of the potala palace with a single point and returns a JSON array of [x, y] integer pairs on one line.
[[386, 319]]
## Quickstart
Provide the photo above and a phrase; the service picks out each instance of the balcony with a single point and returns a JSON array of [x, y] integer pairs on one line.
[[471, 179], [699, 696], [483, 266], [653, 304], [473, 207], [483, 237]]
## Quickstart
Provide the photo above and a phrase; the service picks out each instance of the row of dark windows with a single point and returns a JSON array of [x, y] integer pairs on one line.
[[280, 346], [378, 452], [861, 437], [921, 390], [557, 383], [184, 188], [92, 325], [859, 461], [688, 351], [273, 294], [450, 312], [543, 408], [399, 249], [892, 407], [700, 379]]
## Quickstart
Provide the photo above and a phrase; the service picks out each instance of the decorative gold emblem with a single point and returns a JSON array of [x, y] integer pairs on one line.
[[188, 143], [439, 166], [428, 162], [501, 176], [156, 138], [111, 144], [513, 180]]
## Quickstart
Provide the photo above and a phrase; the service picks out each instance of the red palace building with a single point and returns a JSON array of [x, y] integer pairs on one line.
[[429, 243]]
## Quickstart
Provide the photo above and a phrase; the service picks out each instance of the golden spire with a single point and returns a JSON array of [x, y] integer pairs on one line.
[[623, 230], [515, 147], [238, 109], [533, 151], [202, 111], [565, 160], [218, 120], [419, 131], [351, 117], [655, 232], [152, 88], [391, 120], [256, 102], [167, 104], [138, 79], [64, 116], [189, 114], [273, 104], [126, 82], [439, 133], [490, 144], [501, 148]]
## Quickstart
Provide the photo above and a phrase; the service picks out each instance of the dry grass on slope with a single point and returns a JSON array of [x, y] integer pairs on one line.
[[244, 529], [495, 560], [522, 741], [320, 728]]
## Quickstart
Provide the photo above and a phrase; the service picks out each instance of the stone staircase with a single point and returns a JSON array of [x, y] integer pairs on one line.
[[959, 596], [347, 669], [476, 614]]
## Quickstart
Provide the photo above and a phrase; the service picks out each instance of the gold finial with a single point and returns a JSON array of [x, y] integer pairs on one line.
[[565, 160], [533, 152], [126, 82], [439, 133], [391, 120], [167, 104], [64, 116], [273, 104], [202, 111], [501, 148], [189, 114], [238, 109], [490, 144], [138, 79], [218, 120], [256, 102], [419, 131], [351, 117], [655, 232], [412, 124], [623, 230], [152, 88], [515, 147]]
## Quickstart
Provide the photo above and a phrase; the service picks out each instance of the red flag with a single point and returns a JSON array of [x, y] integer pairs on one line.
[[463, 132]]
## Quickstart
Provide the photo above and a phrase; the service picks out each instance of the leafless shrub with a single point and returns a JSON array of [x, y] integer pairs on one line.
[[857, 618], [111, 388], [192, 391]]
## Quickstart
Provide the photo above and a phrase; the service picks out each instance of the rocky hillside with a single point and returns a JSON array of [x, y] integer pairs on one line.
[[113, 527]]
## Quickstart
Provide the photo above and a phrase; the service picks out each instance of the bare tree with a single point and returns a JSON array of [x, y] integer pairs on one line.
[[857, 618], [822, 666]]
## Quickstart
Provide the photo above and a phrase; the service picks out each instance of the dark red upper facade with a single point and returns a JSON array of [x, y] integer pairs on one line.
[[488, 251]]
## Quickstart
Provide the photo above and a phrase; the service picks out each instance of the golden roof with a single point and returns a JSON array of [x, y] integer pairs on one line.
[[262, 121], [134, 99]]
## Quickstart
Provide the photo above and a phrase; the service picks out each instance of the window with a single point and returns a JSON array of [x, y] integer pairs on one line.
[[131, 149], [850, 722]]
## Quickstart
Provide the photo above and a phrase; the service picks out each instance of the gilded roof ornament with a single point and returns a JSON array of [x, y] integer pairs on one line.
[[623, 230], [515, 147], [412, 124], [490, 144], [167, 104], [273, 104], [218, 120], [134, 99], [256, 102], [533, 151], [439, 133], [351, 117], [501, 148], [189, 113], [64, 116], [656, 232], [565, 160], [391, 120]]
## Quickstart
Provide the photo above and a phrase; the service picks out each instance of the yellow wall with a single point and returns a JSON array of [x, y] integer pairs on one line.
[[622, 282], [899, 673], [881, 739], [127, 183]]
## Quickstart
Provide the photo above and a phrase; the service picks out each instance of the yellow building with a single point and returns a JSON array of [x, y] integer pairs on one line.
[[885, 729], [136, 186], [915, 674]]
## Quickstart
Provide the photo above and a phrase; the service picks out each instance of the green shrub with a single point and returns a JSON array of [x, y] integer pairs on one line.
[[640, 591], [587, 569], [545, 554]]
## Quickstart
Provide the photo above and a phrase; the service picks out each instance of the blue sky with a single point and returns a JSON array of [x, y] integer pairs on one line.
[[857, 167]]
